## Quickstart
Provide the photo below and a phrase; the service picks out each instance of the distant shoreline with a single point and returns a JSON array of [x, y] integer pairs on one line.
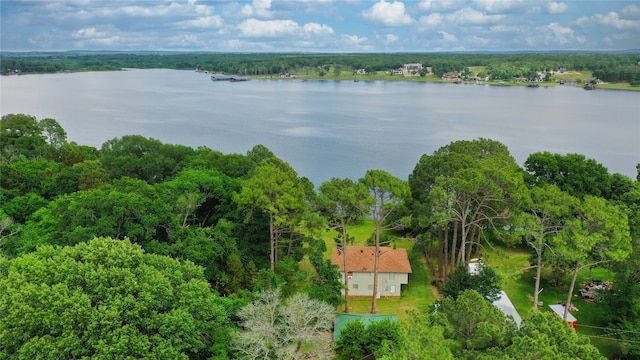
[[364, 78]]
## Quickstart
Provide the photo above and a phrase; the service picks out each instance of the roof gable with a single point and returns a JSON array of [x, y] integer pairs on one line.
[[361, 258]]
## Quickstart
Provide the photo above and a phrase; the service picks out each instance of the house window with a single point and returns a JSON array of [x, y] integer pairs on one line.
[[370, 287], [355, 286]]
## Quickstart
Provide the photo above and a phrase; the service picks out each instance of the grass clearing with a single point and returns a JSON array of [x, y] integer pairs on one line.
[[618, 86], [519, 285], [417, 294], [516, 282]]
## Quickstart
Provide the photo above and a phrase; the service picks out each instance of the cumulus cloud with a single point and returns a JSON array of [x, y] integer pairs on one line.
[[431, 20], [559, 34], [204, 22], [260, 8], [631, 12], [357, 25], [390, 38], [91, 32], [388, 14], [502, 6], [555, 35], [315, 28], [515, 7], [279, 28], [506, 29], [448, 37], [556, 7], [611, 19], [355, 42], [267, 28], [469, 16], [436, 5]]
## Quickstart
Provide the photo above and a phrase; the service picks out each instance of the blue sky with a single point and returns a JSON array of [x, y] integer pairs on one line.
[[319, 25]]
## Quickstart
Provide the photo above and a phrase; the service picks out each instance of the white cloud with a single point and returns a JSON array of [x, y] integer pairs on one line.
[[559, 34], [387, 38], [631, 12], [469, 16], [506, 29], [267, 28], [448, 37], [279, 28], [520, 7], [260, 8], [354, 41], [315, 28], [388, 14], [204, 22], [611, 19], [556, 7], [431, 20], [556, 36], [436, 5], [91, 32], [501, 6]]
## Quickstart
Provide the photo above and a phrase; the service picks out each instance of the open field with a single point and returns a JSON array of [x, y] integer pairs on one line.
[[619, 86]]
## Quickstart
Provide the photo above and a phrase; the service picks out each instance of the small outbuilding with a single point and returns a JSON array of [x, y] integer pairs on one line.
[[571, 320], [506, 306]]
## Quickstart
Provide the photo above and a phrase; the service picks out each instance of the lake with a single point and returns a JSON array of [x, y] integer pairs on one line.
[[332, 128]]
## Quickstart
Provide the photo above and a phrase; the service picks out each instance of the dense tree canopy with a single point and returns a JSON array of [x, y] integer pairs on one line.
[[188, 224], [612, 67], [105, 299]]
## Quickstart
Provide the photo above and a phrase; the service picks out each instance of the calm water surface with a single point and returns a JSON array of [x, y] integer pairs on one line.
[[328, 128]]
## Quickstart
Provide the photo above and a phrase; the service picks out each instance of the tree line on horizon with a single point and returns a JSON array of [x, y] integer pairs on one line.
[[176, 247], [607, 66]]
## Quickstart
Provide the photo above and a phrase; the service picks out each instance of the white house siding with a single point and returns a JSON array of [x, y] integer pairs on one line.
[[361, 283]]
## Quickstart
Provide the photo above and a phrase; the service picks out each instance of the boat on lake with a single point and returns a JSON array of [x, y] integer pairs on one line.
[[230, 78]]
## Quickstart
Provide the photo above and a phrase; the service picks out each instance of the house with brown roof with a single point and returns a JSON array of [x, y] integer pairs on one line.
[[450, 76], [393, 270]]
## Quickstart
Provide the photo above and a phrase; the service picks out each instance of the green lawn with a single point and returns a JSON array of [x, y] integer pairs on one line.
[[417, 294], [516, 282], [619, 86], [519, 286]]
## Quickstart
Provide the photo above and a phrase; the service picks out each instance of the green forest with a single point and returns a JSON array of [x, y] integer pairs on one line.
[[614, 67], [147, 250]]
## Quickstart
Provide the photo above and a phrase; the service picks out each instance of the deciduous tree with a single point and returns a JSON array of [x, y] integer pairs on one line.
[[276, 328], [599, 233], [486, 282], [543, 335], [549, 211], [105, 299]]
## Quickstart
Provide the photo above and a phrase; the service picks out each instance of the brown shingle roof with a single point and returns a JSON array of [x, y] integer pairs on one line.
[[361, 258]]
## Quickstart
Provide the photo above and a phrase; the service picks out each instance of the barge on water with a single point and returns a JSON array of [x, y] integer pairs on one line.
[[231, 78]]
